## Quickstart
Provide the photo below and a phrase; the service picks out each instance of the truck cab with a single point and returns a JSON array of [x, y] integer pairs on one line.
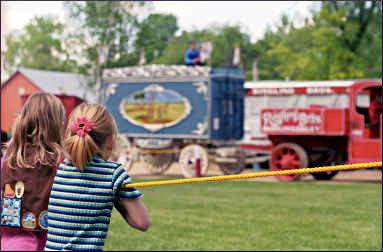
[[365, 133], [322, 134]]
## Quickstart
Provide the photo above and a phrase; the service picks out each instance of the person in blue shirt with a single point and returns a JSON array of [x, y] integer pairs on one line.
[[192, 55]]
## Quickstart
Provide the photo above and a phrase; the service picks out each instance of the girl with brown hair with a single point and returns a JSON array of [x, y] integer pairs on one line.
[[87, 186], [27, 172]]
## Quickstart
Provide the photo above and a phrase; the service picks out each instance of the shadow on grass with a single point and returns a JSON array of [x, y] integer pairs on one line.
[[344, 181]]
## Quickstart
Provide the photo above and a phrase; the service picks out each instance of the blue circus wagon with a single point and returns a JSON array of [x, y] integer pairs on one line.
[[170, 112]]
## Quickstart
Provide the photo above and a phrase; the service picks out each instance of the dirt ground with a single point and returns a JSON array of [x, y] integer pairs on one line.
[[362, 175]]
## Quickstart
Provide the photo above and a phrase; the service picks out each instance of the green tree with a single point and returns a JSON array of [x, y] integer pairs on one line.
[[39, 46], [267, 61], [352, 24], [109, 24], [341, 41], [225, 39], [352, 18], [370, 48], [154, 34]]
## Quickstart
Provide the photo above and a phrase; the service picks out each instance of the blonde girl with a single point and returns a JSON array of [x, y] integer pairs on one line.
[[27, 172], [87, 186]]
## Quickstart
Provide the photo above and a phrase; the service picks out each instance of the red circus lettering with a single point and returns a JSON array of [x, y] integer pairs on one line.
[[291, 120], [319, 90]]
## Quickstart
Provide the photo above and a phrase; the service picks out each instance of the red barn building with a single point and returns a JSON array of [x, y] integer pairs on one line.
[[71, 88]]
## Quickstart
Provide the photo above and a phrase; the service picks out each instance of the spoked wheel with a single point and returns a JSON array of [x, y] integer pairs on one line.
[[123, 152], [324, 160], [324, 175], [231, 168], [157, 163], [188, 157], [287, 156]]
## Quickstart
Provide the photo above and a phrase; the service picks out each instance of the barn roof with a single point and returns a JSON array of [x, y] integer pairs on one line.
[[60, 83]]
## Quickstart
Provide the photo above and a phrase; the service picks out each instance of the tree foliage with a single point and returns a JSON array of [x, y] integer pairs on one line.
[[341, 41], [226, 38], [370, 49], [266, 61], [351, 18], [39, 46], [154, 33], [105, 23]]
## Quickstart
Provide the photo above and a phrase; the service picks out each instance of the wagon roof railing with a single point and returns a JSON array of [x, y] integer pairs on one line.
[[156, 71]]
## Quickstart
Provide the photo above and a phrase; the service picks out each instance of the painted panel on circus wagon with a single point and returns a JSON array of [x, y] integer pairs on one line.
[[185, 104]]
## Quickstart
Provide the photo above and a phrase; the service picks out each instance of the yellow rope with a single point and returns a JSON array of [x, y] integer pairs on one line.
[[258, 174]]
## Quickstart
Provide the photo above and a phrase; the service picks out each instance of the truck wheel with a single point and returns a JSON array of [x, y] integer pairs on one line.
[[287, 156], [325, 160], [123, 152], [188, 157], [157, 163], [324, 175], [265, 164]]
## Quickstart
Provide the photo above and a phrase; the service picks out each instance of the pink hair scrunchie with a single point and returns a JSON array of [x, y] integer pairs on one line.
[[82, 125]]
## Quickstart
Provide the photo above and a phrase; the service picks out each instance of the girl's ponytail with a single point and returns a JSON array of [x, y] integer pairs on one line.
[[81, 149], [89, 126]]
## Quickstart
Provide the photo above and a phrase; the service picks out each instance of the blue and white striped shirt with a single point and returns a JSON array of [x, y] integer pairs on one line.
[[81, 203]]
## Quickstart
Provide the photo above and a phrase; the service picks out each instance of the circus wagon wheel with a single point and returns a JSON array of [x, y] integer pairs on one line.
[[188, 160], [158, 161], [123, 153], [234, 164]]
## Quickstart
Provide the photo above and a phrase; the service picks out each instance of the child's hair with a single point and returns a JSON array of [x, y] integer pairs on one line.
[[40, 126], [83, 147]]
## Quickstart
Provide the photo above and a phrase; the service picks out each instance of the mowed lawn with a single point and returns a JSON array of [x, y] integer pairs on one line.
[[253, 215]]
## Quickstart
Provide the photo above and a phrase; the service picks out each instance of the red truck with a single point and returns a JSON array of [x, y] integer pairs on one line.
[[316, 123]]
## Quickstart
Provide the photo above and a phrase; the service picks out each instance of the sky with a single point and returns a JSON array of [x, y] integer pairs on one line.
[[253, 16]]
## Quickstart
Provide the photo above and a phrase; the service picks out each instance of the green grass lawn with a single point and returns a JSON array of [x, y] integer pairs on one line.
[[253, 215]]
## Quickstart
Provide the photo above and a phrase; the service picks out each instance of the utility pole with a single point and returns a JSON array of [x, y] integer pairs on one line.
[[101, 61]]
